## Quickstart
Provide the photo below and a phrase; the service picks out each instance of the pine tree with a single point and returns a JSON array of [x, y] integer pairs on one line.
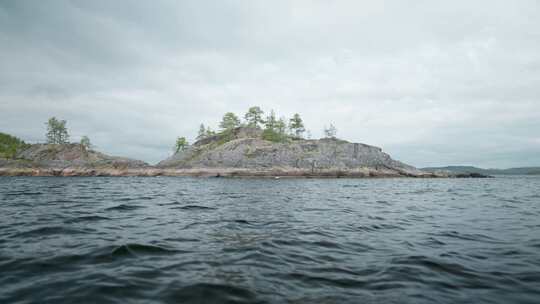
[[229, 121], [202, 132], [254, 116], [209, 132], [271, 121], [296, 126], [275, 129], [57, 132], [181, 144], [281, 128]]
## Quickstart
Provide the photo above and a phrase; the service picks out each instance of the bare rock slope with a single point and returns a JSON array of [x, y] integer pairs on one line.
[[245, 152], [67, 159]]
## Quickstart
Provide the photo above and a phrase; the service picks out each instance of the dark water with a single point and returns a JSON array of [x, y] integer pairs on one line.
[[185, 240]]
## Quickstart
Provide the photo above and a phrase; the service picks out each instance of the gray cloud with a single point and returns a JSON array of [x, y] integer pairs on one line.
[[433, 83]]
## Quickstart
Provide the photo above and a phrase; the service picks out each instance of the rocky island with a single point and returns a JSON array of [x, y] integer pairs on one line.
[[238, 150], [244, 153]]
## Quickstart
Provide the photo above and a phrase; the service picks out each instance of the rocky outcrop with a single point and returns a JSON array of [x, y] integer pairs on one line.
[[60, 157], [242, 152], [245, 151]]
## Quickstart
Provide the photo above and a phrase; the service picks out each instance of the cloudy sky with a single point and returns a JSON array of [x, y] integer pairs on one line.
[[431, 82]]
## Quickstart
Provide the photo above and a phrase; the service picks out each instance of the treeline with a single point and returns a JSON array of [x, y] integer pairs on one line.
[[274, 129]]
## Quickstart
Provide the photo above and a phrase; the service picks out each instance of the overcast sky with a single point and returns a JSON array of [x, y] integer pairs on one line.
[[431, 82]]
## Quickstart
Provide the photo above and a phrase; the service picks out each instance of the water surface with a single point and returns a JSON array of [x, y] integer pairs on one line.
[[188, 240]]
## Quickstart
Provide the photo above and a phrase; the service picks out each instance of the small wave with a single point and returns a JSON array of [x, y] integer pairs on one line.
[[211, 293], [433, 242], [378, 227], [89, 218], [140, 249], [316, 209], [169, 204], [315, 232], [125, 199], [128, 199], [49, 230], [124, 207], [435, 265], [194, 207], [23, 193], [322, 280], [327, 244], [301, 243], [468, 237], [512, 252], [181, 240], [509, 200]]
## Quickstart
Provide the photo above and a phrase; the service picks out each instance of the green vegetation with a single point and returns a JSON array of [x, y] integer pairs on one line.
[[296, 125], [181, 144], [57, 131], [10, 145], [254, 116], [204, 132], [85, 143], [229, 121], [273, 129]]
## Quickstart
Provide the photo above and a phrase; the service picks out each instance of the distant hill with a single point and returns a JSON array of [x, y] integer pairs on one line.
[[471, 169]]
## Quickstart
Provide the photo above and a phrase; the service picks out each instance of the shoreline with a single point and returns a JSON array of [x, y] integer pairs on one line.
[[225, 172]]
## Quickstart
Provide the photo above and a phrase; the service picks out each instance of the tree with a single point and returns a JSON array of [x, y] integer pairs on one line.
[[229, 121], [85, 143], [254, 116], [57, 132], [202, 132], [296, 125], [330, 132], [209, 132], [281, 127], [271, 121], [275, 129], [181, 144]]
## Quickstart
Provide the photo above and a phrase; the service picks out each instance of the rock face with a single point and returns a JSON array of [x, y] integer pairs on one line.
[[240, 152], [46, 156], [244, 149]]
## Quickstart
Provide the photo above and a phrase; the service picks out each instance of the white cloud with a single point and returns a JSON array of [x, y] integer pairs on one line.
[[433, 84]]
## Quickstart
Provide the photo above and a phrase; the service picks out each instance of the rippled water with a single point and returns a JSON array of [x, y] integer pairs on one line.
[[186, 240]]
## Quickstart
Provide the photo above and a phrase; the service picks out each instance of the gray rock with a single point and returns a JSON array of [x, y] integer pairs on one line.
[[71, 155], [247, 150]]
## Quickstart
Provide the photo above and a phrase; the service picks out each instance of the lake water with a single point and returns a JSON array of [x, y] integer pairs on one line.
[[215, 240]]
